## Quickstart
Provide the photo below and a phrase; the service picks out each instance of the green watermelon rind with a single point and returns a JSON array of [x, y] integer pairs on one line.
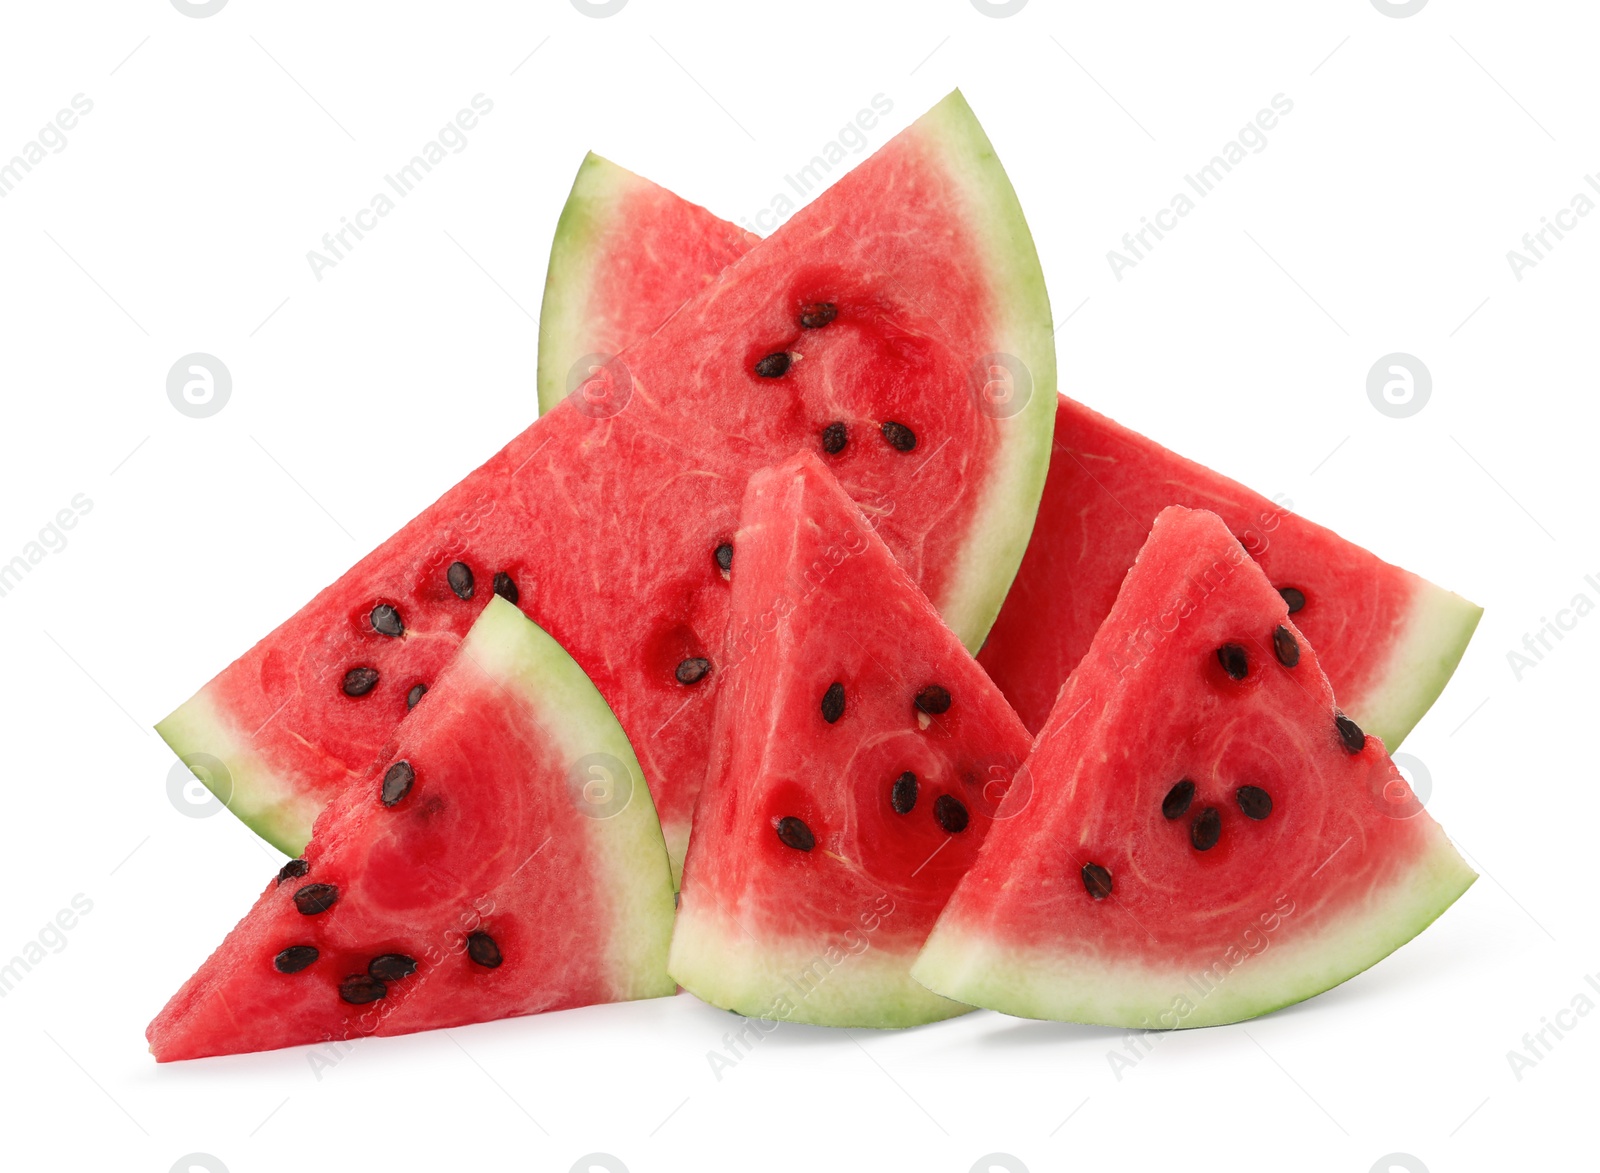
[[598, 189], [722, 964], [627, 847], [1433, 640], [259, 795], [1000, 527], [1100, 991]]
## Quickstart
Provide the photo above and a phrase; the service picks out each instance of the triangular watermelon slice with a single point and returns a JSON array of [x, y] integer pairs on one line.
[[501, 858], [1391, 639], [857, 331], [1203, 836], [858, 757]]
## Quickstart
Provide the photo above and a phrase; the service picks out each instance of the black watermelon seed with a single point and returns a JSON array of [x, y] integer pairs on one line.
[[793, 832], [1255, 802], [692, 670], [482, 950], [1293, 596], [292, 870], [903, 796], [834, 437], [1177, 801], [900, 437], [1286, 646], [773, 366], [415, 695], [459, 576], [951, 814], [818, 314], [724, 556], [1233, 660], [1350, 733], [1206, 829], [933, 699], [295, 958], [391, 967], [315, 898], [833, 703], [1097, 880], [397, 782], [360, 681], [386, 620], [358, 989], [505, 588]]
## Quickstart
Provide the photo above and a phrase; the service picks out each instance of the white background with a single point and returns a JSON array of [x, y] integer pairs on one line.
[[1377, 219]]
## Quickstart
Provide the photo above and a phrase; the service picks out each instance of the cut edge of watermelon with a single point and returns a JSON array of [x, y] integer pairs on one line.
[[1440, 626], [1102, 992], [998, 531], [538, 673], [263, 799], [714, 955]]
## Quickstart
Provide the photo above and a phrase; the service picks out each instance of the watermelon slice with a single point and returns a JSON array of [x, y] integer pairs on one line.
[[858, 755], [1391, 639], [627, 253], [501, 858], [856, 331], [1203, 836]]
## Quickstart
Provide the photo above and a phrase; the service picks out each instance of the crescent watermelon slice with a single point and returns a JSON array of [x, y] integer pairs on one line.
[[501, 858], [1390, 639], [1203, 836], [859, 331], [858, 756]]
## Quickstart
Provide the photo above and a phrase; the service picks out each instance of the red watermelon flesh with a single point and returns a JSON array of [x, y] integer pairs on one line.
[[604, 520], [627, 254], [501, 858], [858, 756], [1389, 640], [1203, 836]]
